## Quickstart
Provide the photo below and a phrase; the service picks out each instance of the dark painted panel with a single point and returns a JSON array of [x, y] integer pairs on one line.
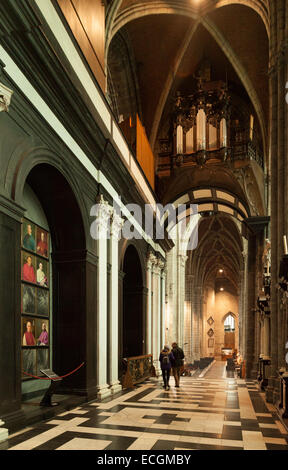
[[9, 315]]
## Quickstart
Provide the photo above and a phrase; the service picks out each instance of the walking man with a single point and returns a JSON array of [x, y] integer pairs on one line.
[[177, 363]]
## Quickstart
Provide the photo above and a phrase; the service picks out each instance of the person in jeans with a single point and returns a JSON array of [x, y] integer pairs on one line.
[[166, 358], [177, 363]]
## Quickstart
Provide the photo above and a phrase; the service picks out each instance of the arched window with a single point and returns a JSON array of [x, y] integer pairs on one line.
[[229, 324]]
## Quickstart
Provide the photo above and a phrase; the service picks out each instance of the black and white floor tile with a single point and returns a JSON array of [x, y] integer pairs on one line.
[[211, 412]]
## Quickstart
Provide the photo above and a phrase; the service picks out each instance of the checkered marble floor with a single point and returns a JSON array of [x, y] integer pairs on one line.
[[212, 412]]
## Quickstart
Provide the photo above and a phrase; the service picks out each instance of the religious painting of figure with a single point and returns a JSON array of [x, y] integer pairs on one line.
[[43, 361], [28, 362], [28, 299], [28, 268], [42, 272], [42, 332], [28, 236], [42, 242], [28, 332], [42, 302]]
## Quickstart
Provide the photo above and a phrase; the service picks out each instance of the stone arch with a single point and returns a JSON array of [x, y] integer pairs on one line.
[[74, 273], [22, 163]]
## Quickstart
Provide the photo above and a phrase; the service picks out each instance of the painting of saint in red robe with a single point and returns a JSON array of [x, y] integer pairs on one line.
[[28, 271], [42, 243], [28, 336]]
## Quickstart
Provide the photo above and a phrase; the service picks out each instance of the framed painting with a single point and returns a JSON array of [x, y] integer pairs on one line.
[[28, 235], [42, 242], [211, 343], [28, 331], [42, 272], [28, 299], [42, 302], [42, 332], [28, 362], [28, 264]]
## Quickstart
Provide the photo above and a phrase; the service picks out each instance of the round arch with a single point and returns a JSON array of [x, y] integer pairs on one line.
[[68, 260], [22, 163]]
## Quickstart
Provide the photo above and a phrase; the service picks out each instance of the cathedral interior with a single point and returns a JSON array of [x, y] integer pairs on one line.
[[143, 183]]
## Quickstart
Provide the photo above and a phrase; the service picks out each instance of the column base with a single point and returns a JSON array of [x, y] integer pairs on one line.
[[158, 370], [14, 421], [269, 390], [277, 391], [3, 432], [115, 387], [103, 391]]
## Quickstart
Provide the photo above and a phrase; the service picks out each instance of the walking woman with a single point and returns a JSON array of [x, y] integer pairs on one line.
[[166, 359]]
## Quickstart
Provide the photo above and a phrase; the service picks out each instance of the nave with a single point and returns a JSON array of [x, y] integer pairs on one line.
[[210, 412]]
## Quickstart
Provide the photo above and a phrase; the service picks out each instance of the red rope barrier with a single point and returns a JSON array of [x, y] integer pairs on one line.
[[61, 377]]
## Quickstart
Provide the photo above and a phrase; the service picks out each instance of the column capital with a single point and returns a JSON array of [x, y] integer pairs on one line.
[[103, 213], [5, 97], [151, 259], [116, 224], [183, 259], [156, 269]]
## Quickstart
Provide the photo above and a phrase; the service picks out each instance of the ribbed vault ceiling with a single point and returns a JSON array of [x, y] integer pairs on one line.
[[170, 38]]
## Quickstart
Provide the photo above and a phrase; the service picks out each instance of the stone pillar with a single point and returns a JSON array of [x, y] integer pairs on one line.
[[10, 317], [278, 134], [196, 322], [103, 217], [116, 224], [163, 304], [245, 300], [172, 318], [156, 347], [266, 334], [188, 319], [251, 311], [150, 260], [181, 263]]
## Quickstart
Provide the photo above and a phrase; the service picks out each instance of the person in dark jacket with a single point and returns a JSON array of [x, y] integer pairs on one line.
[[166, 358], [177, 363]]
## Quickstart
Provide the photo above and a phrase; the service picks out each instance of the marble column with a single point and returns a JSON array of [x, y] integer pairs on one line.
[[188, 319], [163, 304], [103, 218], [156, 318], [251, 310], [181, 263], [116, 225], [196, 323], [149, 264], [278, 134]]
